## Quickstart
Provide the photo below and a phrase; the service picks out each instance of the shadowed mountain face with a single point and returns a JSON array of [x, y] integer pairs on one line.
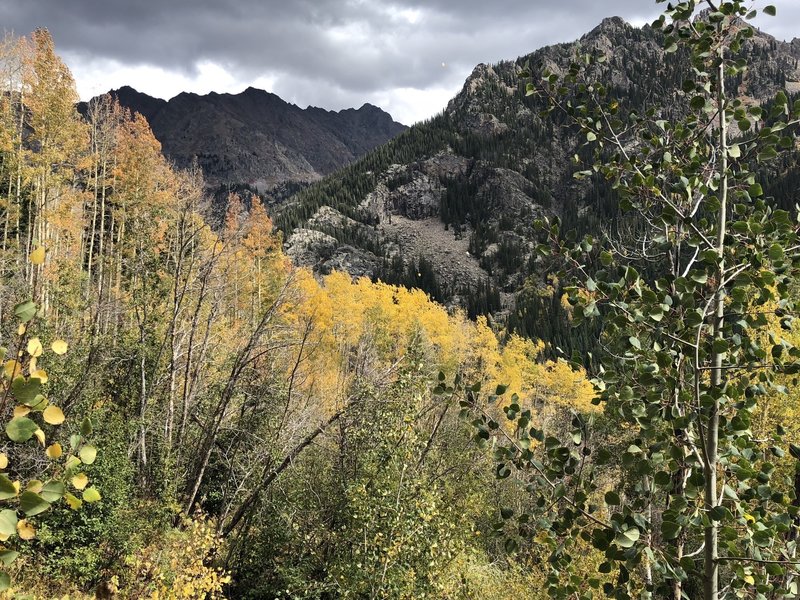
[[256, 138]]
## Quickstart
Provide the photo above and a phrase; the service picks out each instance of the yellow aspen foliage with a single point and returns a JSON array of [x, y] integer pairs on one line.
[[177, 566], [559, 383]]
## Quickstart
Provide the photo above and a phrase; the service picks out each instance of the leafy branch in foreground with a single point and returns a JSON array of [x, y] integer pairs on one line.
[[28, 416], [697, 316]]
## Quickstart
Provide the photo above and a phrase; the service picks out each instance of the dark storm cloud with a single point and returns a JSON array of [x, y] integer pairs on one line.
[[356, 46], [322, 49]]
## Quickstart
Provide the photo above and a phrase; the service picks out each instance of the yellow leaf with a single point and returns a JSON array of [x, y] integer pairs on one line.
[[80, 481], [12, 369], [3, 461], [16, 486], [749, 579], [21, 411], [22, 329], [74, 503], [53, 415], [37, 256], [91, 495], [32, 365], [35, 347], [34, 485], [59, 347], [39, 436], [54, 451], [40, 374], [25, 530]]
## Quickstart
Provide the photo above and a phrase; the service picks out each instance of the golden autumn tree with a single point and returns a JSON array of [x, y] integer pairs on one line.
[[57, 140]]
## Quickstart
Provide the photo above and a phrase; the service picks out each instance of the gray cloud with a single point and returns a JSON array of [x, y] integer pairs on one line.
[[325, 52]]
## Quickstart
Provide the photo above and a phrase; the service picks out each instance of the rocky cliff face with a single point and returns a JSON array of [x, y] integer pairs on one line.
[[461, 192], [258, 139]]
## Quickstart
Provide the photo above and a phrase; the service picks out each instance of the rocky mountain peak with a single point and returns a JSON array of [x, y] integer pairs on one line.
[[256, 138], [609, 25]]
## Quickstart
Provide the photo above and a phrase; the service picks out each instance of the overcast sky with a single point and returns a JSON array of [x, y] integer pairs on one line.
[[407, 56]]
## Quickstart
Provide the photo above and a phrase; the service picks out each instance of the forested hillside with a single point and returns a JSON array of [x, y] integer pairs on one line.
[[188, 415], [477, 176]]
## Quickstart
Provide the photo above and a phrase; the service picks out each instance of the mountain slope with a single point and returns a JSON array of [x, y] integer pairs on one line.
[[257, 138], [486, 167]]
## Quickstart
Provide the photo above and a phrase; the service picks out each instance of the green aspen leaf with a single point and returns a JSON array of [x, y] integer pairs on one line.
[[762, 538], [729, 492], [718, 513], [662, 478], [756, 190], [590, 136], [612, 498], [38, 404], [7, 489], [627, 538], [8, 556], [506, 513], [32, 504], [21, 429], [605, 258], [603, 456], [698, 103], [720, 345], [88, 454], [26, 390], [25, 311], [91, 494], [634, 341], [8, 522], [52, 491], [735, 151], [767, 154], [73, 464], [5, 581], [776, 252], [770, 10], [670, 530]]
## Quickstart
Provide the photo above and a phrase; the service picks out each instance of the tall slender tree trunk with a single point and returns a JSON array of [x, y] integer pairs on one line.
[[711, 567]]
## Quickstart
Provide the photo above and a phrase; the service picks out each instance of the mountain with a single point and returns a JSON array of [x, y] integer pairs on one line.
[[449, 204], [256, 138]]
